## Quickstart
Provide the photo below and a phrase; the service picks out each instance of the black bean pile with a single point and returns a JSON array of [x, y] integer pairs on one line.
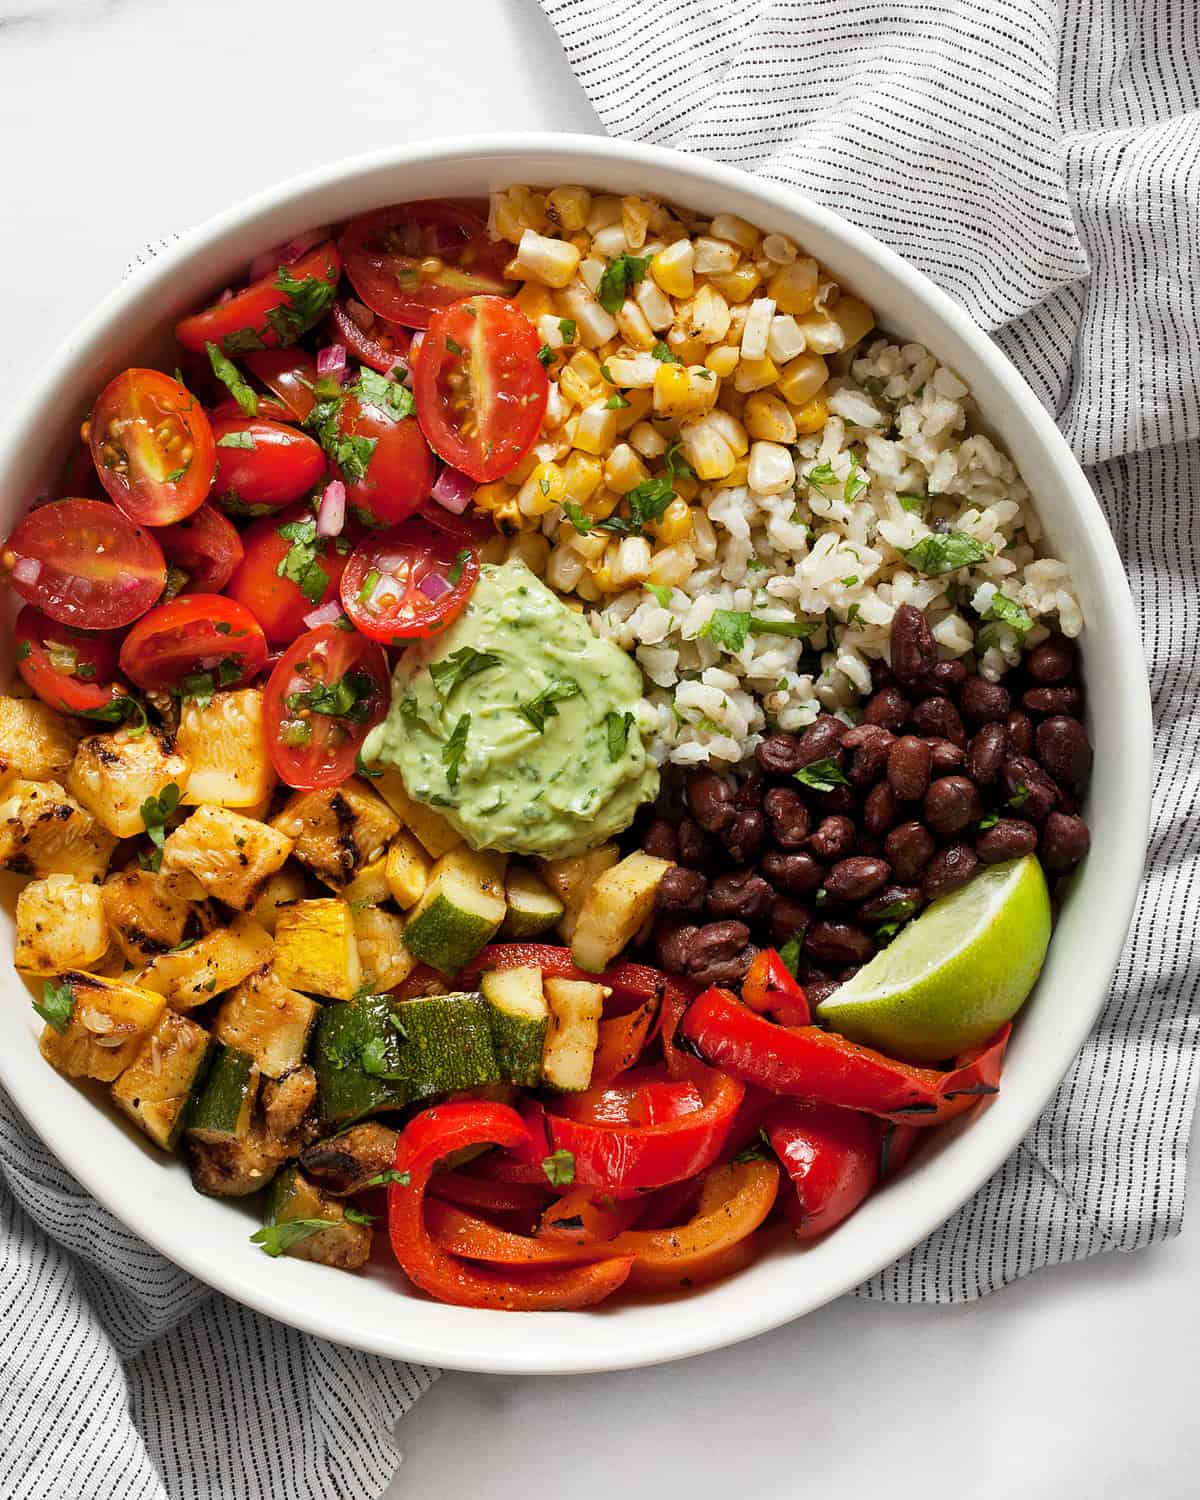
[[841, 834]]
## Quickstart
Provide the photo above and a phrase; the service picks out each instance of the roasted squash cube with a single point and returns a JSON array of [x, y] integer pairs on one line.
[[191, 976], [157, 1087], [266, 1019], [435, 834], [339, 830], [225, 745], [109, 1021], [60, 925], [379, 934], [36, 744], [284, 887], [112, 775], [147, 915], [43, 831], [408, 869], [315, 948], [231, 856]]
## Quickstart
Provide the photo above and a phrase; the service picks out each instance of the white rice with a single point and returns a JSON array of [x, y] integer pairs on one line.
[[834, 557]]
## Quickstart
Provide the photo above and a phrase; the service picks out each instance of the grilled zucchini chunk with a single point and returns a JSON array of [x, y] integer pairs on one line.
[[315, 948], [113, 774], [532, 907], [519, 1018], [107, 1026], [224, 1108], [289, 1110], [345, 1163], [267, 1020], [344, 1244], [147, 915], [231, 856], [408, 869], [168, 1072], [60, 925], [225, 745], [386, 961], [338, 831], [576, 1006], [461, 910], [369, 887], [213, 964], [571, 878], [614, 907], [349, 1036], [284, 887], [434, 833], [36, 744], [43, 831]]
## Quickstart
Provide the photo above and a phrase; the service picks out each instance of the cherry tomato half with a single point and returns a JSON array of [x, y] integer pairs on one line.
[[287, 572], [152, 447], [85, 564], [205, 546], [409, 259], [373, 341], [481, 390], [323, 696], [195, 635], [400, 469], [289, 373], [65, 668], [265, 463], [270, 312], [408, 583]]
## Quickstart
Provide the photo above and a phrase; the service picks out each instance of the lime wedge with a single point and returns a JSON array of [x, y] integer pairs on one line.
[[956, 973]]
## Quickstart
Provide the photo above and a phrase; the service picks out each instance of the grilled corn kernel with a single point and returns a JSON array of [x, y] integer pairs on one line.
[[771, 468], [552, 262], [596, 430], [739, 284], [732, 400], [545, 488], [675, 523], [672, 565], [812, 416], [755, 374], [535, 301], [624, 470], [794, 286], [531, 548], [714, 257], [687, 488], [605, 210], [494, 549], [648, 442], [731, 429], [656, 306], [802, 378], [633, 327], [704, 537], [591, 271], [672, 269], [723, 360], [686, 348], [638, 404], [593, 325], [491, 497], [568, 207], [757, 328], [515, 210], [706, 451], [581, 476], [768, 418], [630, 562], [822, 333], [738, 475], [854, 318], [635, 220], [589, 546], [610, 242], [564, 568], [778, 247], [633, 374], [785, 340], [683, 390], [737, 231], [577, 391], [707, 316]]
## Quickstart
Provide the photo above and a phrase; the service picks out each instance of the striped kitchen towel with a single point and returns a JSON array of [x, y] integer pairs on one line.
[[1040, 160]]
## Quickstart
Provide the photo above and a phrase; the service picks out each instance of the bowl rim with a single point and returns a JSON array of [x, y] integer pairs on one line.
[[468, 1339]]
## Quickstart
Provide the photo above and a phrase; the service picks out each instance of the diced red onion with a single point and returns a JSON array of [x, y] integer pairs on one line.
[[433, 586], [332, 361], [414, 349], [331, 516], [27, 570], [454, 490], [326, 615], [226, 296], [283, 255]]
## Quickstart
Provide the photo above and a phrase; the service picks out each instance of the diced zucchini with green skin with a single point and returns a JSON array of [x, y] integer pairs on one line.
[[157, 1087], [109, 1022], [434, 833], [345, 1163], [408, 869], [379, 934], [345, 1089], [315, 949], [576, 1006], [344, 1244], [460, 912], [571, 878], [225, 1105], [532, 907], [519, 1018], [447, 1045], [614, 907], [266, 1019]]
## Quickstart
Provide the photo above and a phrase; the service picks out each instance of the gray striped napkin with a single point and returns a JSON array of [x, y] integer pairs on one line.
[[1038, 160]]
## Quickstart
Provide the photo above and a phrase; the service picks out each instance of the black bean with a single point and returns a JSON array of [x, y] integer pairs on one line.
[[778, 754], [908, 849], [797, 873], [749, 795], [661, 840], [984, 702], [833, 838], [1028, 791], [673, 942], [938, 717], [721, 953], [742, 894], [1053, 700], [788, 816], [888, 708], [840, 802], [1020, 732], [1008, 838], [914, 650], [892, 903], [817, 990], [745, 836], [820, 740], [838, 943], [944, 756], [986, 753], [869, 763], [949, 869], [710, 800], [909, 761], [951, 804], [694, 848], [946, 678], [1063, 748], [860, 735], [1065, 841], [880, 810], [787, 919], [1052, 661], [854, 879], [681, 890]]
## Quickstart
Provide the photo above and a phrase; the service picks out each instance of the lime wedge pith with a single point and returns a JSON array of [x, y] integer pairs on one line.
[[956, 973]]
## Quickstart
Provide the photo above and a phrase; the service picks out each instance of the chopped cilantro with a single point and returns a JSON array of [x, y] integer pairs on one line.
[[821, 775], [575, 515], [155, 812], [546, 356], [616, 729], [389, 1175], [677, 468], [661, 592], [820, 476], [790, 952], [730, 627], [307, 302], [231, 378], [914, 504], [461, 559], [460, 665], [566, 326], [274, 1239], [616, 401], [389, 396], [989, 820], [56, 1005], [945, 552], [300, 565], [856, 483], [24, 649], [1020, 795], [559, 1168], [648, 501], [542, 707], [234, 440], [759, 1148], [618, 276], [662, 352], [455, 748], [1007, 611], [233, 505], [348, 698]]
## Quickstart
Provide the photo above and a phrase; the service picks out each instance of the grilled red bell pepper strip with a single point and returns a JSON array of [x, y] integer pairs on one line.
[[895, 1147], [425, 1140], [643, 1096], [770, 989], [493, 1197], [583, 1217], [623, 1039], [620, 1158], [832, 1157], [808, 1063]]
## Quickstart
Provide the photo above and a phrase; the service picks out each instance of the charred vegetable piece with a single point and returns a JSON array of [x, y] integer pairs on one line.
[[519, 1017], [163, 1079], [312, 1225], [225, 1106], [346, 1163], [103, 1025]]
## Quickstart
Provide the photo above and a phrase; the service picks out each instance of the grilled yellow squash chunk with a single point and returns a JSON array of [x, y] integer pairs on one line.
[[157, 1086], [435, 834], [385, 960], [571, 878], [213, 964], [113, 774], [284, 887], [338, 831], [408, 869], [369, 887], [147, 915], [576, 1006], [268, 1020], [614, 908], [108, 1024], [43, 831], [60, 926], [36, 744], [225, 745], [231, 856], [315, 948]]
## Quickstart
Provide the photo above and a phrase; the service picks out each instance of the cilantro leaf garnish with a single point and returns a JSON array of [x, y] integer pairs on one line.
[[618, 276], [790, 952], [575, 515], [231, 378], [455, 748], [559, 1168], [728, 628], [661, 592], [121, 710], [855, 481], [677, 468], [821, 775], [566, 326], [300, 563], [307, 303], [461, 559], [1007, 611], [945, 552], [348, 698], [155, 812], [56, 1006], [663, 353], [234, 440], [546, 356], [914, 504], [389, 396], [819, 476], [616, 729], [458, 667], [382, 1179], [542, 707], [648, 501], [274, 1239], [616, 401]]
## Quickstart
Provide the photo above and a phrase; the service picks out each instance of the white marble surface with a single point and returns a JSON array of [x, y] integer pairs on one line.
[[120, 119]]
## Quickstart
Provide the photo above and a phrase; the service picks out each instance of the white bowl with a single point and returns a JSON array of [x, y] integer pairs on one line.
[[210, 1238]]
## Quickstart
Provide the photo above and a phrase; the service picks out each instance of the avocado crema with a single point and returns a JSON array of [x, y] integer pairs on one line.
[[519, 724]]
